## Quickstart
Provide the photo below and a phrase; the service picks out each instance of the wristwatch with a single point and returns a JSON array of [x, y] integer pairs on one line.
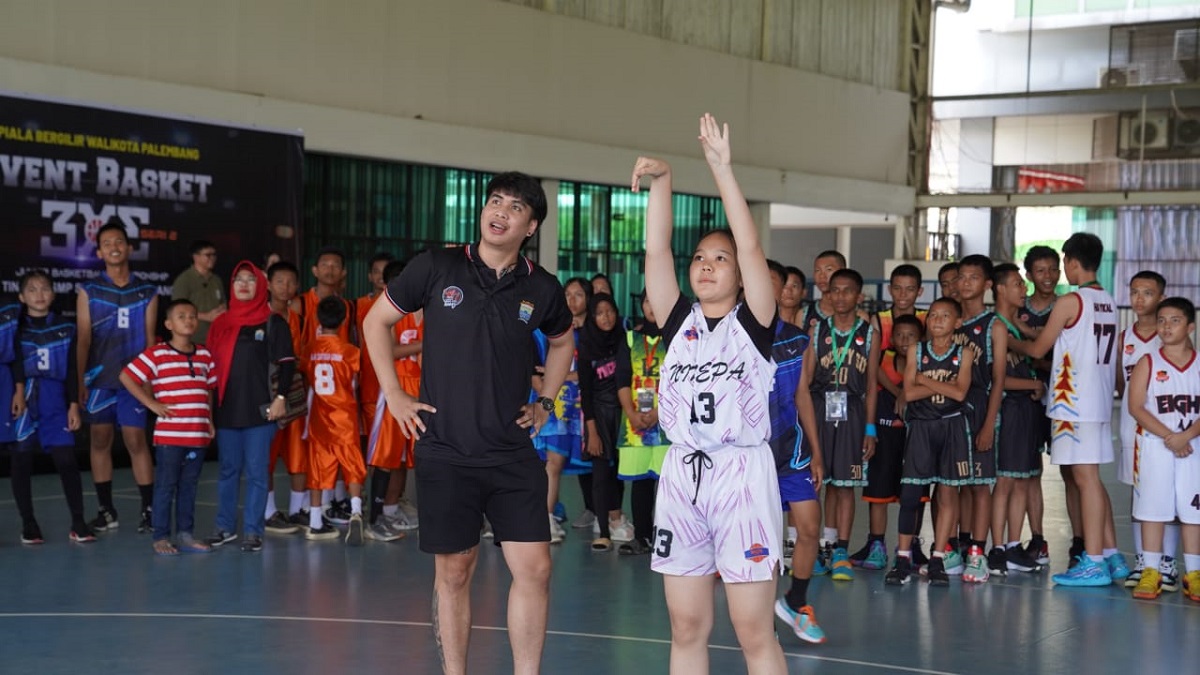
[[546, 403]]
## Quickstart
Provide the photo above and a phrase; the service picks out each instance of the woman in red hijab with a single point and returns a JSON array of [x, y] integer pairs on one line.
[[245, 341]]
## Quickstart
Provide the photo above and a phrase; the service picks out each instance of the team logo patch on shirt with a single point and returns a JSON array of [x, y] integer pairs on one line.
[[525, 312], [1161, 376], [691, 334], [259, 335], [925, 360], [859, 341], [1128, 349], [1024, 316], [757, 553], [978, 330], [452, 296]]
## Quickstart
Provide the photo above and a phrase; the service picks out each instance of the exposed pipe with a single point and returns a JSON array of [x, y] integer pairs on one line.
[[955, 5]]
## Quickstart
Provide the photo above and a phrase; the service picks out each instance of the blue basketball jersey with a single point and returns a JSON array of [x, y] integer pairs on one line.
[[10, 314], [118, 328], [46, 350]]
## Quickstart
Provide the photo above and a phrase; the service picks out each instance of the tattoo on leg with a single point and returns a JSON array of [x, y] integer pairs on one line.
[[437, 632]]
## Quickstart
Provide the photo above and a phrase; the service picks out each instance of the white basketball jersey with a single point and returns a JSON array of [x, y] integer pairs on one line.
[[1173, 395], [1133, 348], [713, 386], [1083, 372]]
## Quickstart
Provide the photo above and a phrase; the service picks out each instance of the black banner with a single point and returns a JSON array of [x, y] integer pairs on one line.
[[67, 170]]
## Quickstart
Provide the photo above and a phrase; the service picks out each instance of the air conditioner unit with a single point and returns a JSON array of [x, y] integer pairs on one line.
[[1187, 44], [1151, 133], [1119, 77], [1186, 132]]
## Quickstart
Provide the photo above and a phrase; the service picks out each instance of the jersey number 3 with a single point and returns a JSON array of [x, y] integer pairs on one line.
[[704, 408]]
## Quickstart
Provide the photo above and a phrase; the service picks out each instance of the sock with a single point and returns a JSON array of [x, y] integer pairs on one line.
[[1037, 536], [1077, 542], [356, 505], [1171, 539], [1095, 558], [339, 490], [1011, 544], [314, 518], [391, 510], [147, 495], [1152, 559], [830, 534], [904, 554], [270, 509], [1191, 562], [797, 595], [326, 497], [791, 533], [842, 543], [296, 502], [1137, 538], [939, 554], [963, 536], [1108, 552], [104, 495], [874, 537]]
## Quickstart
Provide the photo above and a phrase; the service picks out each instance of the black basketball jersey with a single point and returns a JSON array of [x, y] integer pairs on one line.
[[812, 316], [1016, 365], [852, 348], [977, 331], [940, 368]]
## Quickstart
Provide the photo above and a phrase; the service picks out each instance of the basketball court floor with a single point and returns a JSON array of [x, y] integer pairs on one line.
[[320, 607]]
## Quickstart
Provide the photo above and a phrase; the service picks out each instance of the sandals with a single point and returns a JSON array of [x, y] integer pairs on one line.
[[635, 547], [601, 544], [164, 547], [188, 544]]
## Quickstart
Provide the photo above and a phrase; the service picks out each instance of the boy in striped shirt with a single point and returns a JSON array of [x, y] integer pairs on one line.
[[175, 381]]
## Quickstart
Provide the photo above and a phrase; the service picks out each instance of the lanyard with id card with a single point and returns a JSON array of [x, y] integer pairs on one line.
[[837, 401]]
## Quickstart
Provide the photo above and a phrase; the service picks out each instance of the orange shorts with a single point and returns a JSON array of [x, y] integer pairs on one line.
[[324, 460], [366, 415], [289, 444], [387, 448]]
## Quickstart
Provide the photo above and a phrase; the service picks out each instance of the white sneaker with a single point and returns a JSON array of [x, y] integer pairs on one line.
[[557, 533], [401, 522], [408, 508], [585, 519], [620, 530]]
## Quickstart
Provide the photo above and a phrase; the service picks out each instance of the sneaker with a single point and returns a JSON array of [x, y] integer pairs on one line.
[[1191, 585], [486, 531], [299, 519], [1149, 586], [803, 622], [860, 556], [977, 567], [997, 562], [842, 569], [81, 533], [1170, 575], [409, 508], [325, 531], [220, 538], [1038, 550], [559, 512], [379, 531], [402, 521], [877, 558], [635, 547], [1117, 569], [1135, 575], [820, 568], [354, 530], [104, 521], [1018, 560], [338, 512], [585, 519], [31, 534], [1085, 572], [1077, 549], [824, 557], [919, 559], [144, 524], [935, 571], [953, 563], [557, 533], [252, 544], [280, 524], [901, 572], [620, 530]]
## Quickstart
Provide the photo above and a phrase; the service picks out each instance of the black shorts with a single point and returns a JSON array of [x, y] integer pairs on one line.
[[939, 451], [1017, 453], [842, 450], [885, 467], [985, 462], [454, 499]]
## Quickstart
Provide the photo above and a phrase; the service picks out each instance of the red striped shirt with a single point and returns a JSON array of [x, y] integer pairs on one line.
[[184, 382]]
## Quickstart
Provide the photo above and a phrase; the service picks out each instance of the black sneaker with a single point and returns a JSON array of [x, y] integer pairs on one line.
[[339, 512], [354, 530], [997, 562], [81, 533], [857, 558], [825, 555], [901, 572], [1017, 559], [144, 525], [299, 519], [635, 547], [326, 531], [1077, 549], [919, 559], [279, 524], [252, 544], [220, 538], [104, 521], [31, 534], [936, 572], [1038, 551]]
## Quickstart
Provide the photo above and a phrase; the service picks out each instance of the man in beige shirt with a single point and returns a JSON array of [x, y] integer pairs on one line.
[[203, 288]]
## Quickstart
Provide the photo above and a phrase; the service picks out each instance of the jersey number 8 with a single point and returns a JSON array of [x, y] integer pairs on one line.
[[323, 379]]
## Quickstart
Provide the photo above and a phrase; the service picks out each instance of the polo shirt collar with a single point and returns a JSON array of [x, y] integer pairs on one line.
[[523, 268]]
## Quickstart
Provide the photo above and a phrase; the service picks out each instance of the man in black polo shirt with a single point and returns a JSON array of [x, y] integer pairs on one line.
[[482, 303]]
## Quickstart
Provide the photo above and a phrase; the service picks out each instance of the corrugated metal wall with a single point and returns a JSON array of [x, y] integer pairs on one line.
[[855, 40]]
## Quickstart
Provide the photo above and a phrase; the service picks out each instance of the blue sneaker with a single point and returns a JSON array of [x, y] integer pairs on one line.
[[560, 512], [1117, 569], [842, 569], [877, 557], [954, 563], [1086, 572], [803, 622], [820, 569]]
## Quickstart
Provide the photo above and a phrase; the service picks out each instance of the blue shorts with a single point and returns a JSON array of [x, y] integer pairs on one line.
[[114, 406], [45, 426], [796, 487]]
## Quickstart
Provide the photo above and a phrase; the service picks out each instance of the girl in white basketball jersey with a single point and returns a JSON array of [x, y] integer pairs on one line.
[[718, 496], [1164, 398]]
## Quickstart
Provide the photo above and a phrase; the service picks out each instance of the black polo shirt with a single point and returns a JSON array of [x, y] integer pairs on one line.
[[476, 355]]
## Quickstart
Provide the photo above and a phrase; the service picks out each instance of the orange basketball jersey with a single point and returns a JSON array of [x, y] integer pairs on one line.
[[330, 368], [368, 382], [309, 301]]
